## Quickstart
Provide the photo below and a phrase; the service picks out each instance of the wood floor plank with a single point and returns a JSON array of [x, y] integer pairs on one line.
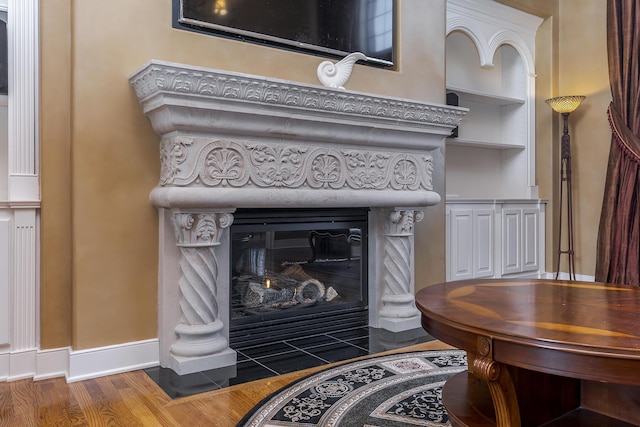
[[6, 404], [144, 397], [52, 400], [94, 408], [24, 401]]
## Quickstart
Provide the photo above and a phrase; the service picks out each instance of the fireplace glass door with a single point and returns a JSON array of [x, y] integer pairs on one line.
[[296, 266]]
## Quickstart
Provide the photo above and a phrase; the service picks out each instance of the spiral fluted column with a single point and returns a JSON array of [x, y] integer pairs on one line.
[[398, 301], [200, 331]]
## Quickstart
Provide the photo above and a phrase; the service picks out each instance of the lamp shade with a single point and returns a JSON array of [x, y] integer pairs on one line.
[[565, 104]]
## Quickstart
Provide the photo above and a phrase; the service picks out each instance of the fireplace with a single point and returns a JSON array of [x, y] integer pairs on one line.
[[234, 143], [294, 269]]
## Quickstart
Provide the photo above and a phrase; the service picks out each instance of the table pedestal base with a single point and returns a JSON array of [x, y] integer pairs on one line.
[[543, 399]]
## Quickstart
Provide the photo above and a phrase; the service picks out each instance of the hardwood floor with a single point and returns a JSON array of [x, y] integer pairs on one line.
[[133, 399]]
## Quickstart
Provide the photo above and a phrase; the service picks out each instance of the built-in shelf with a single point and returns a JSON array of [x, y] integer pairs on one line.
[[461, 142], [492, 153], [484, 97]]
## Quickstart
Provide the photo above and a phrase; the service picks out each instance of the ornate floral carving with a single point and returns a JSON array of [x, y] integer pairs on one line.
[[405, 175], [198, 161], [222, 165], [367, 169], [326, 171], [278, 166]]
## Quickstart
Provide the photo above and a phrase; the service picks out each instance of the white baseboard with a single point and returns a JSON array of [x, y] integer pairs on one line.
[[113, 359], [565, 276], [38, 365], [79, 365], [4, 366], [52, 363]]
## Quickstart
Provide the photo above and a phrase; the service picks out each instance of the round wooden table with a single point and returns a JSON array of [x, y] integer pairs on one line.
[[549, 352]]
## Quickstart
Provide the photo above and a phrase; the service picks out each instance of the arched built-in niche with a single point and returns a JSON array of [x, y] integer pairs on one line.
[[494, 145]]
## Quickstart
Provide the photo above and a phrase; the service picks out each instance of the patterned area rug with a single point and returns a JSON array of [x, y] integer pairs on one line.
[[398, 390]]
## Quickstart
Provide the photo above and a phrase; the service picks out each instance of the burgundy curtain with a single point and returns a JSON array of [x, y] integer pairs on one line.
[[618, 252]]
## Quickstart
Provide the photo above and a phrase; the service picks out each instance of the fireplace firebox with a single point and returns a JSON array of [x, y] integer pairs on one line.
[[297, 272]]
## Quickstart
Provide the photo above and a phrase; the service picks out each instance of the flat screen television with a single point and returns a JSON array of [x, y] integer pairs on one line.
[[332, 28]]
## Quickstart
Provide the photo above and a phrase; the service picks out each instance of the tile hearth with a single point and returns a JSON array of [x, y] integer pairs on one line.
[[283, 357]]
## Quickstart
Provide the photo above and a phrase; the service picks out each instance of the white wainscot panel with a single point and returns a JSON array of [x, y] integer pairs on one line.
[[511, 243], [530, 239], [471, 246], [461, 244], [483, 243], [495, 238]]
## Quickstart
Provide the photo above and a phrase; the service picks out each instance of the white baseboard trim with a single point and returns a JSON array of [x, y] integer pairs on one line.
[[33, 364], [4, 366], [52, 363], [79, 365], [113, 359], [565, 276]]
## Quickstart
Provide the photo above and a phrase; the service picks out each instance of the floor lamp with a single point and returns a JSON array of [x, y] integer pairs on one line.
[[565, 105]]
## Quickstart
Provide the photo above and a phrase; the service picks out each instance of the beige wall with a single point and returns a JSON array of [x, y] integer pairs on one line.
[[571, 59], [55, 142], [100, 156], [583, 70]]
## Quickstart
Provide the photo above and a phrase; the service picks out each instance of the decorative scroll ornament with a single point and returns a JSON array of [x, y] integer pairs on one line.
[[200, 229], [401, 222], [336, 75]]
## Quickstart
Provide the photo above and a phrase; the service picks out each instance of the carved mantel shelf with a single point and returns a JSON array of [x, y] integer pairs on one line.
[[229, 131], [231, 140]]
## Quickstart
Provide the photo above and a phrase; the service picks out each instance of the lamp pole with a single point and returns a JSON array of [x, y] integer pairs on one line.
[[565, 178], [565, 105]]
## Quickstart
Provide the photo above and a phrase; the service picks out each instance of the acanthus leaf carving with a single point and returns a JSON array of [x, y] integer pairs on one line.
[[173, 152]]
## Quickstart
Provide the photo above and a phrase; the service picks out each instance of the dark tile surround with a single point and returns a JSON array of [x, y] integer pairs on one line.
[[283, 357]]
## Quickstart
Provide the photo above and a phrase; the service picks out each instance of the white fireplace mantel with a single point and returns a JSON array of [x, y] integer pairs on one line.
[[231, 140]]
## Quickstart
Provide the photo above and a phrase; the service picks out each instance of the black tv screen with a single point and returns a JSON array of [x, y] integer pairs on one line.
[[331, 28]]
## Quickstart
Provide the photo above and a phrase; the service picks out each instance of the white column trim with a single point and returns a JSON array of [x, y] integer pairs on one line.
[[23, 54], [18, 357], [24, 295]]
